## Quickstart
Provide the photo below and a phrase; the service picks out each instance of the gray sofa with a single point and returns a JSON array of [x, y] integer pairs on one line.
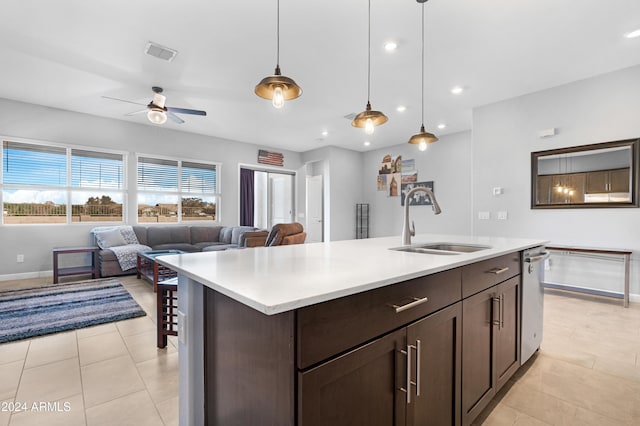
[[188, 238]]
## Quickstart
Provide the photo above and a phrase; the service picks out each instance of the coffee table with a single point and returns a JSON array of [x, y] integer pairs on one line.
[[151, 270]]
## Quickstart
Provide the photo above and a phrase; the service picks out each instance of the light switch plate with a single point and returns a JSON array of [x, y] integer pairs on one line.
[[484, 215], [502, 215]]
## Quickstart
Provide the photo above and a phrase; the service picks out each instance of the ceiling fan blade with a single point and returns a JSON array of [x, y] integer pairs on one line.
[[138, 112], [186, 111], [174, 117], [123, 100]]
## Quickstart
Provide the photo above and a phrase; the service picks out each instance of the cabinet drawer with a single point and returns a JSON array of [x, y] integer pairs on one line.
[[482, 275], [332, 327]]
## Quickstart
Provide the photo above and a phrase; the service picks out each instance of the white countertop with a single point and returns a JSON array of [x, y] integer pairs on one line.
[[278, 279]]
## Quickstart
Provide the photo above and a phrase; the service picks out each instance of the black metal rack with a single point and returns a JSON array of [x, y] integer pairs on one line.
[[362, 221]]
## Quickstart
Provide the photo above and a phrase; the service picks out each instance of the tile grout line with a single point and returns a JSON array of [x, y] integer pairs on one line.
[[84, 403], [24, 361]]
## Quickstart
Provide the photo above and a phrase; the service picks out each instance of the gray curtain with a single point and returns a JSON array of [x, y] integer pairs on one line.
[[246, 197]]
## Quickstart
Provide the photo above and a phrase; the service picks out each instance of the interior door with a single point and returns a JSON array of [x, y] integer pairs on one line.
[[280, 198], [314, 209]]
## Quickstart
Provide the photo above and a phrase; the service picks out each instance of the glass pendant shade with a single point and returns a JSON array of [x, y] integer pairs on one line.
[[278, 88], [157, 115], [369, 119]]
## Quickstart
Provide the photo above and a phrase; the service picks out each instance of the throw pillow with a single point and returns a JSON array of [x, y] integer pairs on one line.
[[110, 238]]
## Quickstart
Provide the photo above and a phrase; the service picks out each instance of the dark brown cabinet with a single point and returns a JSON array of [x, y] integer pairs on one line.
[[491, 336], [606, 181], [408, 377], [429, 351]]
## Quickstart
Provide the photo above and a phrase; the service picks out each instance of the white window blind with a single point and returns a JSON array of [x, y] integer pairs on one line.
[[156, 174], [29, 164], [91, 169], [198, 178]]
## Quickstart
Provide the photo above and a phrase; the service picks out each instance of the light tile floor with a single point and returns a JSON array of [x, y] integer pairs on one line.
[[586, 373], [110, 374]]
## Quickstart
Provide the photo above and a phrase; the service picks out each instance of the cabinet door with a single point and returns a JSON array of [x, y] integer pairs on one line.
[[436, 365], [478, 386], [507, 331], [619, 180], [361, 387], [597, 182]]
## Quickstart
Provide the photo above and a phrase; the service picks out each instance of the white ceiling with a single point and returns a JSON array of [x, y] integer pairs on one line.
[[69, 53]]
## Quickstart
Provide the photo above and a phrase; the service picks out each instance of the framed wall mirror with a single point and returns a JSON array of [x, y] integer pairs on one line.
[[597, 175]]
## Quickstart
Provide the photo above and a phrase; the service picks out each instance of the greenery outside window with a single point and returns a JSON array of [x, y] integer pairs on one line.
[[47, 184], [171, 190]]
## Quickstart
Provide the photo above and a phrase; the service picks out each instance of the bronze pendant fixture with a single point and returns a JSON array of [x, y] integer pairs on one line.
[[423, 137], [278, 88], [369, 118]]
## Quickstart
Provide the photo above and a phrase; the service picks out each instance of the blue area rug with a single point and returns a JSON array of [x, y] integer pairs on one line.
[[43, 310]]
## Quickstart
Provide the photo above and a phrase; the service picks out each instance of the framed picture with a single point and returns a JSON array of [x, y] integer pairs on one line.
[[419, 198]]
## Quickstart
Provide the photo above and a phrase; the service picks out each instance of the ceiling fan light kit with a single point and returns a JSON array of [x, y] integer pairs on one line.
[[278, 88], [157, 111], [422, 138], [369, 119]]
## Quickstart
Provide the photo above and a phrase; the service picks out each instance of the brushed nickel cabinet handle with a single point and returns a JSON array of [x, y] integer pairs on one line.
[[415, 302], [407, 390], [418, 362], [495, 321], [502, 310], [498, 271]]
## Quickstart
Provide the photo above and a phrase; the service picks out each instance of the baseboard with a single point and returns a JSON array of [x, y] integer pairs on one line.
[[26, 275]]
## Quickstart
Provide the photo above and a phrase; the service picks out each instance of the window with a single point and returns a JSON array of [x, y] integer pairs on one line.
[[54, 184], [172, 190]]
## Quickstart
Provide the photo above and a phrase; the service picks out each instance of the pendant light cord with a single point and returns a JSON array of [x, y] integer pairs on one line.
[[422, 64], [368, 57], [278, 35]]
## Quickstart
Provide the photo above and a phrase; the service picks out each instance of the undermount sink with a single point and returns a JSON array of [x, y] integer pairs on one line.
[[442, 248]]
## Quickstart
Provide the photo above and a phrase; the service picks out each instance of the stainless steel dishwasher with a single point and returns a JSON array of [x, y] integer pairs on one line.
[[532, 301]]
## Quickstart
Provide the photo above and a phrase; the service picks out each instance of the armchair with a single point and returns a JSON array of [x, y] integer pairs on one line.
[[281, 234]]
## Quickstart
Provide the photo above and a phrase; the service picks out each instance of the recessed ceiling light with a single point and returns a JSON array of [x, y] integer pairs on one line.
[[442, 126], [390, 46], [633, 34], [457, 90], [325, 133], [367, 143], [401, 108]]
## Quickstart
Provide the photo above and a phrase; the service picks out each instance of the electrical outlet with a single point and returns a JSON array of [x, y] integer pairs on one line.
[[502, 215], [20, 258], [484, 215]]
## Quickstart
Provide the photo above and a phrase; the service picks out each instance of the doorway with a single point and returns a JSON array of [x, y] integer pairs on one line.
[[272, 195], [314, 209]]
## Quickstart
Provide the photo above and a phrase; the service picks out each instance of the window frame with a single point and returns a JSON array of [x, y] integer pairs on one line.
[[180, 194], [67, 191]]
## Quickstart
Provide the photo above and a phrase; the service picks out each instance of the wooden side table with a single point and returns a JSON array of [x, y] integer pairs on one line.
[[167, 310], [75, 270]]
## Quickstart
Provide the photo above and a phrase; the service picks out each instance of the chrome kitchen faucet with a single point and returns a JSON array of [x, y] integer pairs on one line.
[[407, 232]]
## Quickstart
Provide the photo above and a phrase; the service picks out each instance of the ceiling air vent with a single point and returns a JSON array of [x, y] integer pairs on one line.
[[160, 52]]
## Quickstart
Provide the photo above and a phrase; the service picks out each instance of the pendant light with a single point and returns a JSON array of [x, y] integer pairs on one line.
[[368, 118], [423, 137], [278, 88]]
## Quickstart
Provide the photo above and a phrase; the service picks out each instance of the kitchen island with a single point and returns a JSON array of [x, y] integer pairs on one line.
[[347, 332]]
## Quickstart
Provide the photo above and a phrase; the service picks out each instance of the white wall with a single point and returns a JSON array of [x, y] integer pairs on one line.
[[600, 109], [30, 121], [447, 163], [342, 187]]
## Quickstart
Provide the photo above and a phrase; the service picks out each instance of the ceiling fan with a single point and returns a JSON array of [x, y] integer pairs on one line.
[[156, 110]]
